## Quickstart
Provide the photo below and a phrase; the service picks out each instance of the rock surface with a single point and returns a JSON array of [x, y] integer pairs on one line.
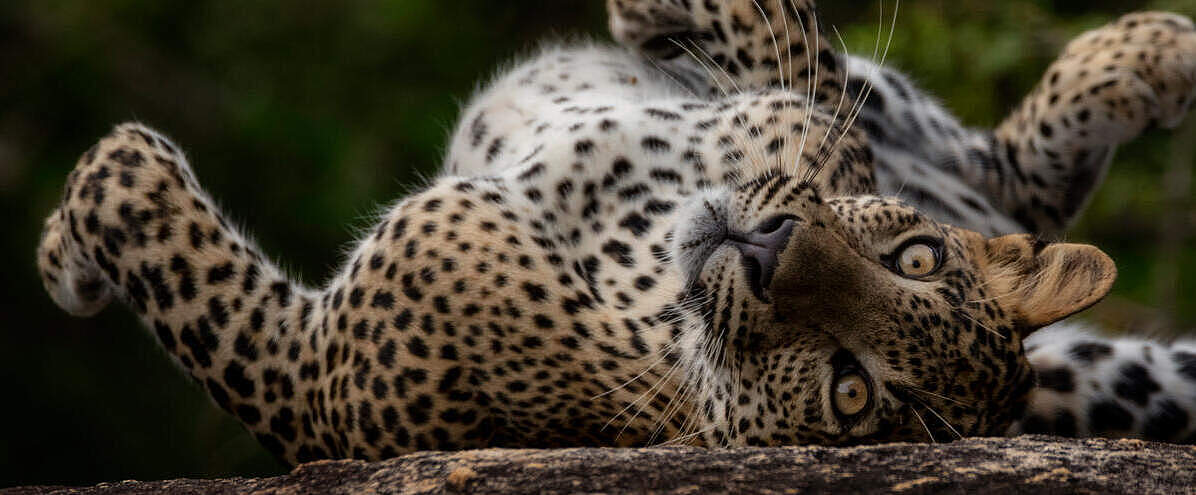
[[1019, 465]]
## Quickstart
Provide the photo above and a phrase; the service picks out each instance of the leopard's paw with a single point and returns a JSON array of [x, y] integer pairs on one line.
[[1141, 68]]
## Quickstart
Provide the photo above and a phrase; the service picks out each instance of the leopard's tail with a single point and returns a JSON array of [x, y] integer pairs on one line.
[[134, 225], [1090, 385]]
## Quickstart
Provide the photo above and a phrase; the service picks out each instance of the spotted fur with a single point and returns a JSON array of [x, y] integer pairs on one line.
[[608, 259]]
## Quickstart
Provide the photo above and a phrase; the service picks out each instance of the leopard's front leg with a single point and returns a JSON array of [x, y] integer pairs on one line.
[[135, 226], [1109, 85]]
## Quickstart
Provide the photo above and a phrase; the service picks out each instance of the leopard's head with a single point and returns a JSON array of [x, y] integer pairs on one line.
[[857, 319]]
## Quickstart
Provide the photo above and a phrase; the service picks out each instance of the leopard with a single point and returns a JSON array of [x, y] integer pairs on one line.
[[612, 258], [1036, 171]]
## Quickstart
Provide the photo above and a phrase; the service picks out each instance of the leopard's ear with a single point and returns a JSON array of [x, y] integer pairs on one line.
[[1043, 283]]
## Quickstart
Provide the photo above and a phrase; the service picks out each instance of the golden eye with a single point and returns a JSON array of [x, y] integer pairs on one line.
[[918, 260], [850, 395]]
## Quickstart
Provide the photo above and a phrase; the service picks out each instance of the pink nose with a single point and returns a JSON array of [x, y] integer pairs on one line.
[[759, 249]]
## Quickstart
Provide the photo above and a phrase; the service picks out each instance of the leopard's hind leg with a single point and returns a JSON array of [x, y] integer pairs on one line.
[[1109, 85]]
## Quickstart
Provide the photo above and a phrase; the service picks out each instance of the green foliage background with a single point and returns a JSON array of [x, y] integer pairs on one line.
[[304, 117]]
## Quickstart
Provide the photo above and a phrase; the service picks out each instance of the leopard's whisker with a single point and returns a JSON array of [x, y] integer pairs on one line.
[[857, 104], [633, 403], [913, 388], [776, 48], [811, 88], [924, 425], [652, 60], [743, 142], [715, 352], [649, 395], [775, 45], [692, 421], [787, 64], [685, 438], [984, 285], [645, 399], [939, 416], [631, 380], [674, 406], [867, 92], [990, 298], [674, 399], [693, 380], [729, 78], [664, 353], [839, 106], [981, 325], [714, 78]]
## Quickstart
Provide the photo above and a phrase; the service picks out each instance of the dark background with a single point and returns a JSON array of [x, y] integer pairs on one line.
[[304, 117]]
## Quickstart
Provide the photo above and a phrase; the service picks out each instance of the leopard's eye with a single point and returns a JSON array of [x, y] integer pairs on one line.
[[918, 259], [850, 395], [851, 390]]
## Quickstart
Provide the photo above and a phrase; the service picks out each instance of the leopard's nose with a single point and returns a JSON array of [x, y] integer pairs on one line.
[[759, 250]]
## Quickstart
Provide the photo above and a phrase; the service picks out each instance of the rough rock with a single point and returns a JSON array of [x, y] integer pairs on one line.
[[1002, 465]]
